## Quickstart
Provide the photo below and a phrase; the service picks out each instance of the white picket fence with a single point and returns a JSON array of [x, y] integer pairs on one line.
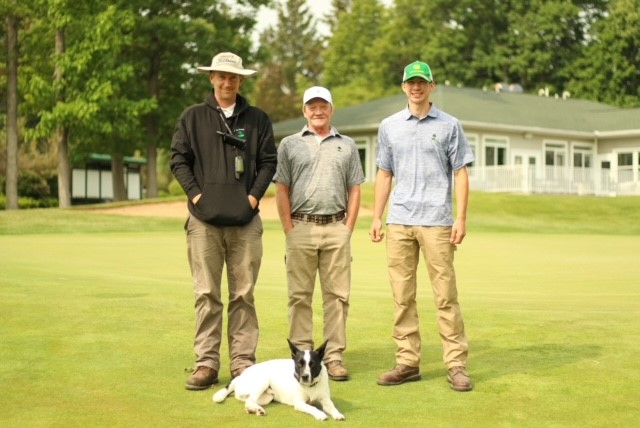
[[559, 180]]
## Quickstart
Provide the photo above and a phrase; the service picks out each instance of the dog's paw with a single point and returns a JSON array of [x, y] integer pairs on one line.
[[255, 409], [221, 395], [320, 415], [339, 417]]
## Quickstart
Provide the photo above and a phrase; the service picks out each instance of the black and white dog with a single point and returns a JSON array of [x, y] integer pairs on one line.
[[298, 382]]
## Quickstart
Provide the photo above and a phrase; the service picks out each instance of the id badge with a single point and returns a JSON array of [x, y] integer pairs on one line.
[[239, 166]]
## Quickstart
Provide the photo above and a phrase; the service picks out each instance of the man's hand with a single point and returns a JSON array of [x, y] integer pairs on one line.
[[375, 233], [253, 201], [458, 231]]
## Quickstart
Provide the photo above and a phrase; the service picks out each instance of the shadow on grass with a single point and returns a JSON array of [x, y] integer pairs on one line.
[[488, 362]]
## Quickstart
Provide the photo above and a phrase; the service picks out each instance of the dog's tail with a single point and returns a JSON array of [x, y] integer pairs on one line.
[[221, 395]]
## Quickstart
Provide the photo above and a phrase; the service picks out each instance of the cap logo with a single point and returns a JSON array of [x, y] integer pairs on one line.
[[228, 60], [417, 69]]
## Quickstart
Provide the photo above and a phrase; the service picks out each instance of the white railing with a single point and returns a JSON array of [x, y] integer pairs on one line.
[[559, 180]]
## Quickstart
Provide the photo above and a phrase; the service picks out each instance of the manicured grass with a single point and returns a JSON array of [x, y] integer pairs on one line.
[[96, 323], [488, 212]]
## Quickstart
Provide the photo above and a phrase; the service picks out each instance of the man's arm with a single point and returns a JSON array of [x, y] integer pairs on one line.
[[459, 229], [266, 161], [353, 206], [182, 160], [283, 203], [381, 192]]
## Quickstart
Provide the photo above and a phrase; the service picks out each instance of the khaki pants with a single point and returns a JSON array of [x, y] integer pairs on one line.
[[325, 249], [404, 244], [209, 248]]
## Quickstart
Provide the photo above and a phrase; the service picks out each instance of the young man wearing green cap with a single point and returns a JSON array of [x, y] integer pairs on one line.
[[423, 147]]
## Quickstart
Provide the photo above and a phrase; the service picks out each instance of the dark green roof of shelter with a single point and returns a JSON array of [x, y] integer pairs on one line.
[[475, 107], [101, 158]]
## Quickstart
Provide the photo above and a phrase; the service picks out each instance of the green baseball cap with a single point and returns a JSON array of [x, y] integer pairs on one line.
[[417, 69]]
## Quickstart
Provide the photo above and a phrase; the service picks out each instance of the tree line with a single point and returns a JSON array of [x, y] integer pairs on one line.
[[112, 76]]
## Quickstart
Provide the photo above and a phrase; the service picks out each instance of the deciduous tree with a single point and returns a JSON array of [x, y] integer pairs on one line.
[[609, 70], [350, 58]]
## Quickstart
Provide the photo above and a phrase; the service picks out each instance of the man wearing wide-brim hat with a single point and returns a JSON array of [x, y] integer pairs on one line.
[[224, 156]]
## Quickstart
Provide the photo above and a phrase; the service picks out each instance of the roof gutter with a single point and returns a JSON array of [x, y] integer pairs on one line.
[[524, 129]]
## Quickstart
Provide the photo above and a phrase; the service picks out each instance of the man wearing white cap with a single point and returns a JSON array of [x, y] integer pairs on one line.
[[318, 196], [223, 155], [423, 148]]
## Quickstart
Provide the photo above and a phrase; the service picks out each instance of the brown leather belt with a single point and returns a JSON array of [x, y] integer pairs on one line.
[[319, 219]]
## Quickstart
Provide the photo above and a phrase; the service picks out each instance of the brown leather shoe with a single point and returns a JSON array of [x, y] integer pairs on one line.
[[337, 371], [202, 378], [459, 379], [400, 374]]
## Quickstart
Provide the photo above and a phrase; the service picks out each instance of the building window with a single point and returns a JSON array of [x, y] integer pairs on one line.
[[473, 144], [363, 152], [582, 157], [555, 154], [625, 167], [495, 152], [555, 160]]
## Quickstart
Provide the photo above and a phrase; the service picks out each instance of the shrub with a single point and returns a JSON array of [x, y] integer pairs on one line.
[[25, 202], [175, 189], [32, 185]]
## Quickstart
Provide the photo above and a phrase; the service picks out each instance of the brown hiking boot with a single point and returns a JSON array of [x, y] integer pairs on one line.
[[337, 371], [202, 378], [459, 379], [237, 372], [400, 374]]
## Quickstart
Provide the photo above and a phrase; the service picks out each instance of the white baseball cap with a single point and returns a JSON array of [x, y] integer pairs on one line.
[[317, 92], [229, 62]]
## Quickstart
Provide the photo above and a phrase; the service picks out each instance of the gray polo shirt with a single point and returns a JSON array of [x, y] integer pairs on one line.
[[422, 155], [318, 173]]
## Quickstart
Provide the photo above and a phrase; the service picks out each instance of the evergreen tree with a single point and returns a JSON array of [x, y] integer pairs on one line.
[[292, 53]]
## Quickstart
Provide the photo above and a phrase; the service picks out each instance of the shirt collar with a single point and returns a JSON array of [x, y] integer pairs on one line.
[[433, 112], [333, 132]]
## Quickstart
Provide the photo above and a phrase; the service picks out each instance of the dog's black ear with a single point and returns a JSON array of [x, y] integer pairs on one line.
[[321, 348], [293, 348]]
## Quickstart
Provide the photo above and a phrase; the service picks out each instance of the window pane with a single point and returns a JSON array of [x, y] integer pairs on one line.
[[549, 158], [587, 161], [625, 159], [363, 158], [490, 155], [577, 159], [502, 156]]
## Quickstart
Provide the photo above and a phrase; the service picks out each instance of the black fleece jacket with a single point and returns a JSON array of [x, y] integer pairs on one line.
[[203, 163]]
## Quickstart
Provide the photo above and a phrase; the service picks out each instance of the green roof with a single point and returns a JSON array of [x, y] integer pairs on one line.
[[106, 159], [476, 107]]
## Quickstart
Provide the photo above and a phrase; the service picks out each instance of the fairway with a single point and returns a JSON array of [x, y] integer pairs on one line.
[[97, 331]]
